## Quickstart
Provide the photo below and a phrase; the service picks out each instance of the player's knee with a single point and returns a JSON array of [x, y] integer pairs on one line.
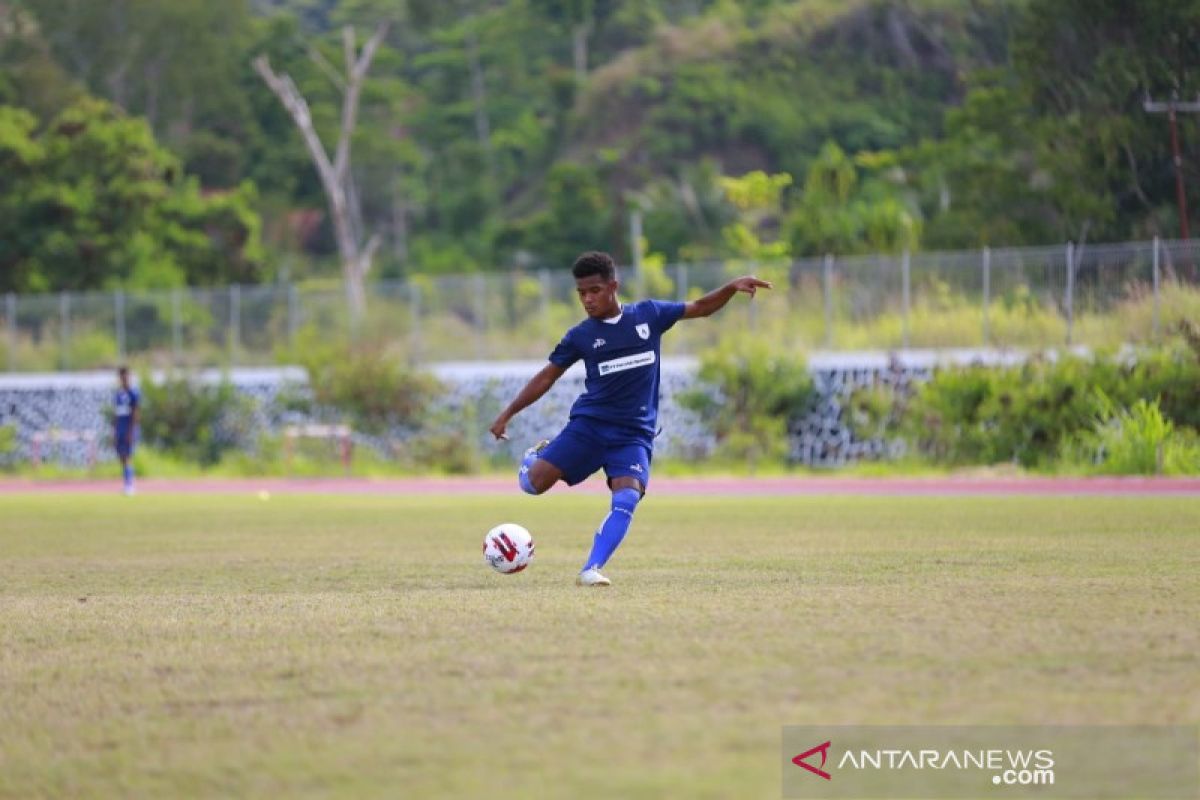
[[626, 499], [537, 478]]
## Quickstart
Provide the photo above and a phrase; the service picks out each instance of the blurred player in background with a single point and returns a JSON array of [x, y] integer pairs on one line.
[[613, 423], [126, 413]]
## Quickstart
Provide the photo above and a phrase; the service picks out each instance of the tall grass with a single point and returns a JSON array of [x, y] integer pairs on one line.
[[1137, 440]]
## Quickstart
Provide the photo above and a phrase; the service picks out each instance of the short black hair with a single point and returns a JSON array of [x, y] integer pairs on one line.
[[122, 370], [595, 263]]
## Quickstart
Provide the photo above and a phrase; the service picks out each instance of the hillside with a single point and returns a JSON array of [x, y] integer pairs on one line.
[[498, 135]]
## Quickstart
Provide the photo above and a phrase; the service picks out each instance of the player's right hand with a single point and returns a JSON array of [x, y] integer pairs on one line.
[[498, 428]]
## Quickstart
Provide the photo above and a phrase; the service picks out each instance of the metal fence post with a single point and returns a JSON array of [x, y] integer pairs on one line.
[[293, 313], [1069, 300], [635, 250], [235, 321], [119, 300], [414, 304], [177, 325], [10, 304], [64, 312], [1157, 293], [481, 321], [544, 298], [827, 281], [905, 295], [987, 294]]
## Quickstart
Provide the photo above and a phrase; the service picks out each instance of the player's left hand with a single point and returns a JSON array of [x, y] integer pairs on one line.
[[750, 284]]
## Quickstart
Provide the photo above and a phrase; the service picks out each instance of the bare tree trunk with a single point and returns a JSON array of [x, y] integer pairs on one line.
[[152, 74], [335, 175], [399, 222], [118, 85], [579, 48], [483, 128]]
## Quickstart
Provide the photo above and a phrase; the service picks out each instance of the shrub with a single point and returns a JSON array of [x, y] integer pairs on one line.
[[748, 394], [8, 447], [373, 388], [1134, 441], [194, 421], [1028, 414]]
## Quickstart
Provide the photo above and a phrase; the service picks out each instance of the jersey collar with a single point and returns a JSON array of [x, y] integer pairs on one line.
[[616, 319]]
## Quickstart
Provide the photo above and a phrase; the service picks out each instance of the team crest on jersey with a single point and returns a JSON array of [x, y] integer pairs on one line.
[[643, 330], [598, 343]]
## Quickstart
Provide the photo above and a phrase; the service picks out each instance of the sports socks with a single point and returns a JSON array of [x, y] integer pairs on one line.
[[127, 473], [613, 529], [523, 473]]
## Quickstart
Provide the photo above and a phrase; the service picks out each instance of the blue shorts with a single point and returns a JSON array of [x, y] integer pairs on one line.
[[124, 443], [586, 445]]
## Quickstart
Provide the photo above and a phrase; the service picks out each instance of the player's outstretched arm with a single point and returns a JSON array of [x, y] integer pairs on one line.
[[538, 385], [715, 300]]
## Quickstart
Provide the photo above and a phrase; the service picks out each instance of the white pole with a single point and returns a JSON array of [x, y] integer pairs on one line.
[[293, 301], [544, 290], [177, 324], [1070, 294], [414, 304], [119, 299], [64, 311], [481, 325], [10, 302], [635, 249], [1157, 295], [235, 321], [987, 293], [827, 280]]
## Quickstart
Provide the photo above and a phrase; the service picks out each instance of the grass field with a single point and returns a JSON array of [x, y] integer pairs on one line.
[[356, 646]]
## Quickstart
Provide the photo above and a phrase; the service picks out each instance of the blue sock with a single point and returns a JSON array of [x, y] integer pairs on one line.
[[614, 527], [523, 473], [127, 472]]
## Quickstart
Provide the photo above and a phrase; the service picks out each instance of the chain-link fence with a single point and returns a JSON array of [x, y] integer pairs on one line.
[[1029, 298]]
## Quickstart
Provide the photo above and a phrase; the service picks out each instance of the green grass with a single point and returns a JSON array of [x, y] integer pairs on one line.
[[356, 646]]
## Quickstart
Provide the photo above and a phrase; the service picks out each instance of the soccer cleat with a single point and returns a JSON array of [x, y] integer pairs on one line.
[[129, 491], [537, 449], [592, 577]]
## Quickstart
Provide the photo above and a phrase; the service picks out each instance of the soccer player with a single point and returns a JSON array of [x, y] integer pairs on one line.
[[126, 413], [613, 423]]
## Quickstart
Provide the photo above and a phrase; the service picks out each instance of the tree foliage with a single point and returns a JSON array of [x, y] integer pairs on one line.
[[494, 134], [91, 200]]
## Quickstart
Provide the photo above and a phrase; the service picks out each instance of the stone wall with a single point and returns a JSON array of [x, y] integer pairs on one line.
[[77, 403]]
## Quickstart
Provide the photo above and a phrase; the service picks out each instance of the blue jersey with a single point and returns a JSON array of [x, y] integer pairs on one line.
[[125, 401], [622, 359]]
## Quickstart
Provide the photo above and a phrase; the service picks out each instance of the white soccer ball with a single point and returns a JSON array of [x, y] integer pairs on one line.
[[508, 548]]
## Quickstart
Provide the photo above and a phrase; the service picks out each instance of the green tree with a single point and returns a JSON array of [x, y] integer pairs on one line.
[[578, 217], [1087, 66], [823, 220], [93, 201]]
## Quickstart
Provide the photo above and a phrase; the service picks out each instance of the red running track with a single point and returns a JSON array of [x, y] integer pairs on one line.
[[797, 485]]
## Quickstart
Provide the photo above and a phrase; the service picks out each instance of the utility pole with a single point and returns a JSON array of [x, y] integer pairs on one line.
[[1171, 107]]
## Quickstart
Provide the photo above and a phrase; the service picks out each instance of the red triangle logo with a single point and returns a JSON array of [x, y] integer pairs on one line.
[[823, 749]]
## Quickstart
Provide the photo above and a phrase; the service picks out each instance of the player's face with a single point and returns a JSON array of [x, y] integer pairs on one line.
[[598, 296]]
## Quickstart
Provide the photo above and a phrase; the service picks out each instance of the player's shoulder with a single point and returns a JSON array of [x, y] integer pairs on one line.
[[654, 308], [578, 329], [576, 333]]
